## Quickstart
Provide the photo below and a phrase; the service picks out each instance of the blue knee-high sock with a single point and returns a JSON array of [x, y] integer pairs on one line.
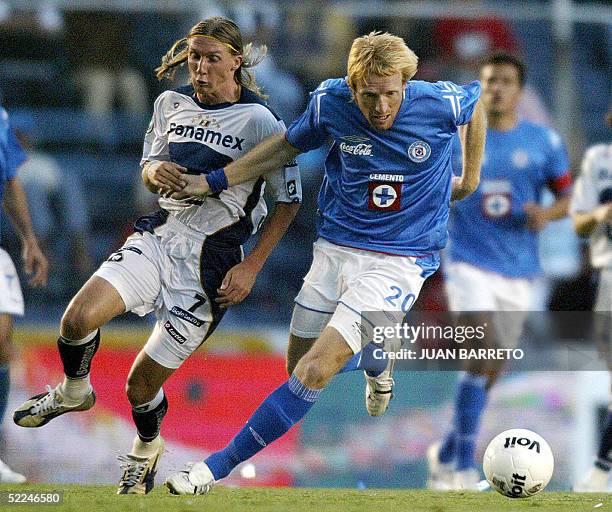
[[470, 403], [604, 455], [287, 405], [5, 385], [448, 448], [365, 360]]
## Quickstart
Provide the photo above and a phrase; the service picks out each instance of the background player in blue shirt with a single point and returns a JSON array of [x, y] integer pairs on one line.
[[35, 263], [384, 206], [493, 248]]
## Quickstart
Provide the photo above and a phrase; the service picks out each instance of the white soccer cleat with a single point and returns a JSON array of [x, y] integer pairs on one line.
[[41, 409], [139, 472], [378, 392], [8, 476], [469, 480], [441, 475], [194, 479], [596, 480]]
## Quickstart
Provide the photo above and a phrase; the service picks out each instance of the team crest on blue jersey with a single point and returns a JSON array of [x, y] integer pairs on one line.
[[496, 198], [385, 192], [520, 159], [419, 151], [496, 205]]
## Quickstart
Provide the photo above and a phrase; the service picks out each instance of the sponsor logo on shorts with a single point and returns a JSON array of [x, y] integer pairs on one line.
[[291, 188], [177, 336], [419, 151], [118, 256], [186, 315]]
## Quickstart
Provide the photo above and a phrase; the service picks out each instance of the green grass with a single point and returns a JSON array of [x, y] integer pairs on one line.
[[102, 498]]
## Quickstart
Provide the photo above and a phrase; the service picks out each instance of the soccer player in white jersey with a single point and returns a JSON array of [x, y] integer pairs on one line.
[[493, 254], [185, 262], [591, 210], [35, 263], [384, 206]]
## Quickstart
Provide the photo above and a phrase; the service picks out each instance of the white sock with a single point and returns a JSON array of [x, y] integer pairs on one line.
[[82, 341], [148, 406], [74, 391], [142, 448]]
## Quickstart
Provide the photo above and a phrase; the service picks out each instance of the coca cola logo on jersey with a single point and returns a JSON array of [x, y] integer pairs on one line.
[[356, 149]]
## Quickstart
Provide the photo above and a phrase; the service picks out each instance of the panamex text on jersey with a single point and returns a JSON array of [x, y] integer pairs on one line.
[[205, 137], [487, 229], [385, 191]]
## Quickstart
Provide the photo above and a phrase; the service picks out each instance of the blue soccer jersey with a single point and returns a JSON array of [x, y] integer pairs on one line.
[[11, 154], [488, 229], [386, 191]]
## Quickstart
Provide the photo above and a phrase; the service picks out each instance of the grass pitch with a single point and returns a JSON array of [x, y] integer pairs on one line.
[[80, 498]]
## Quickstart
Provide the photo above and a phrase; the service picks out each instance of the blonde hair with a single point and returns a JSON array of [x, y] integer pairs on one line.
[[225, 31], [381, 54]]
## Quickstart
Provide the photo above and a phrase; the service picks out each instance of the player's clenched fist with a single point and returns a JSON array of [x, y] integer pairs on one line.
[[163, 177], [237, 284]]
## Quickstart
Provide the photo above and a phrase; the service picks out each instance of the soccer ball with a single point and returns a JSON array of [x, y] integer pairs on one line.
[[518, 463]]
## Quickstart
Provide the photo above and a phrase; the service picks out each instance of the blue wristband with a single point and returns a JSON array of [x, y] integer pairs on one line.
[[217, 181]]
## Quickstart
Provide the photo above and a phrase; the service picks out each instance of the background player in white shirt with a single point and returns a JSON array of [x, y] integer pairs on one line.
[[591, 210], [185, 261]]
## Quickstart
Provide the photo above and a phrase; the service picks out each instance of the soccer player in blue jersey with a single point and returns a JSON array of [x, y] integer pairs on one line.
[[493, 254], [35, 263], [185, 261], [384, 205]]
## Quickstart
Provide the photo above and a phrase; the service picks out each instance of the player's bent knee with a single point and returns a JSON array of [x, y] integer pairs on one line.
[[78, 321], [139, 391], [312, 374]]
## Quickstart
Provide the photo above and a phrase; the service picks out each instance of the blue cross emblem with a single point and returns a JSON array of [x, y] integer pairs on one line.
[[384, 196], [496, 205]]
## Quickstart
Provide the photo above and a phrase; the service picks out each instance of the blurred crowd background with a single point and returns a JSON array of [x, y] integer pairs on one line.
[[77, 80]]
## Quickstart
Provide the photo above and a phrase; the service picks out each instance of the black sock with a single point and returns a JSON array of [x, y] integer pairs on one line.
[[77, 358], [604, 455], [148, 420]]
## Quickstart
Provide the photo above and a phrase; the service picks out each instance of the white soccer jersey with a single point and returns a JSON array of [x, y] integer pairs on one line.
[[592, 189], [205, 137]]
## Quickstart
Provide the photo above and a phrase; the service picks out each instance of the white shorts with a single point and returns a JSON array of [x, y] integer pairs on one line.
[[470, 288], [174, 272], [11, 298], [343, 283]]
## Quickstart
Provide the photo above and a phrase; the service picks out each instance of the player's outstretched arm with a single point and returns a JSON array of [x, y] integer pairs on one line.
[[270, 154], [240, 279], [472, 145], [16, 206]]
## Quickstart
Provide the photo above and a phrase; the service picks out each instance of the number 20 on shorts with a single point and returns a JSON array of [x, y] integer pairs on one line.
[[406, 303]]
